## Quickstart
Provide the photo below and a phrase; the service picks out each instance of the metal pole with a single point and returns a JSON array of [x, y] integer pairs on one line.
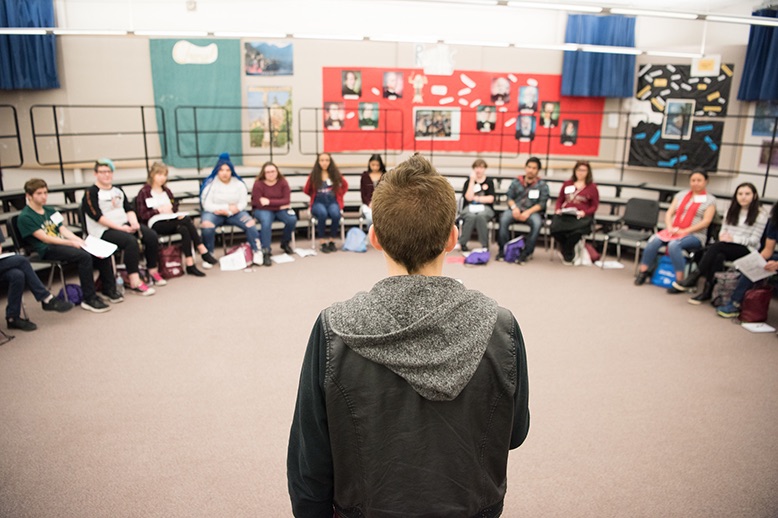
[[59, 144]]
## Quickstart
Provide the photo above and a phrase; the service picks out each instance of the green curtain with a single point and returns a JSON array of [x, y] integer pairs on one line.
[[213, 89]]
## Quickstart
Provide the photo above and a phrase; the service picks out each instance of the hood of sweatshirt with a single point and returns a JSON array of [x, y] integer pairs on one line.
[[431, 331]]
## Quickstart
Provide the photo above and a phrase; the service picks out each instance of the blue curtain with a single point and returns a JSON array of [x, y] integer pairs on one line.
[[594, 74], [28, 62], [760, 73]]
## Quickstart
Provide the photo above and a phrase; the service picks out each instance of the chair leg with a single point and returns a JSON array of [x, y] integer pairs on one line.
[[604, 253], [637, 256], [5, 337], [62, 279]]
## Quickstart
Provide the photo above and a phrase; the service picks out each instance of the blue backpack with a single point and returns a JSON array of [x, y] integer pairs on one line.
[[664, 275], [356, 241]]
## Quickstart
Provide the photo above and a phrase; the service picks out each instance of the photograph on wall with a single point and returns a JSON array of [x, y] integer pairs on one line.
[[351, 84], [569, 136], [436, 123], [549, 114], [768, 154], [486, 118], [334, 115], [268, 59], [270, 116], [500, 91], [679, 115], [368, 116], [393, 85], [528, 99], [765, 117], [525, 127]]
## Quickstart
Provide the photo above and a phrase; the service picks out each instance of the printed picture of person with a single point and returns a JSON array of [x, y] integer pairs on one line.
[[486, 118], [501, 91], [393, 85], [528, 99], [334, 114], [525, 127], [549, 115], [351, 84], [368, 115], [569, 133]]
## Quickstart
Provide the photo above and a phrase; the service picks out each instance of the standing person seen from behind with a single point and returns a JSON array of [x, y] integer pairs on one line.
[[412, 394], [575, 208], [271, 201], [477, 205], [326, 187]]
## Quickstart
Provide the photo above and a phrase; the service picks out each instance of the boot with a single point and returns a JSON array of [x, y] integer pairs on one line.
[[691, 280], [266, 261], [704, 295], [286, 248]]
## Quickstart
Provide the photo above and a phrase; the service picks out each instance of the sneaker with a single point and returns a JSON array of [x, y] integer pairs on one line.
[[23, 324], [728, 311], [258, 259], [325, 248], [192, 270], [332, 246], [640, 280], [206, 264], [208, 259], [113, 296], [158, 280], [286, 248], [700, 298], [55, 304], [142, 289], [673, 289], [95, 305], [566, 262], [679, 287]]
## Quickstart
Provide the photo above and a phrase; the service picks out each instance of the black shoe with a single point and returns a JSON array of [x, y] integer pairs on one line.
[[192, 270], [325, 248], [286, 248], [208, 258], [705, 295], [690, 281], [114, 296], [465, 248], [55, 304], [523, 258], [500, 256], [640, 280], [95, 305], [266, 261], [672, 290], [20, 323], [332, 246]]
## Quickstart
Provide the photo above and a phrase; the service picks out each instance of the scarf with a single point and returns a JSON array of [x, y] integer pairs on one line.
[[685, 215]]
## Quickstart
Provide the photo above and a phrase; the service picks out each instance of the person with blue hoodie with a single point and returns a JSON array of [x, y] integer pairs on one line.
[[224, 198]]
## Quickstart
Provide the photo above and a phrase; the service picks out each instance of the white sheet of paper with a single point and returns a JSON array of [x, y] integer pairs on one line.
[[233, 262], [305, 252], [475, 208], [7, 254], [758, 327], [98, 247], [282, 258], [165, 217], [569, 210], [752, 266]]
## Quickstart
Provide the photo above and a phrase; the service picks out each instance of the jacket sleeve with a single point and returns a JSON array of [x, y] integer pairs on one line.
[[256, 194], [513, 191], [560, 200], [307, 189], [366, 188], [543, 199], [143, 210], [90, 203], [309, 467], [521, 397]]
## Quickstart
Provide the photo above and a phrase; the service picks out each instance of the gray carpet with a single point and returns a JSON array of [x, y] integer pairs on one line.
[[179, 405]]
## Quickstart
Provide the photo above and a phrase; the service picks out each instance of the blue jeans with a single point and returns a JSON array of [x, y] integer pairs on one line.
[[17, 271], [240, 219], [744, 284], [321, 211], [266, 218], [535, 223], [675, 250]]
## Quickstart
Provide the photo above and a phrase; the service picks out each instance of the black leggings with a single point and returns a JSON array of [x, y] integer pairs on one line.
[[129, 244], [183, 226], [713, 259]]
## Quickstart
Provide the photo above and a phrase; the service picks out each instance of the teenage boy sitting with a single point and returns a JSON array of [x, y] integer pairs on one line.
[[41, 227], [412, 394]]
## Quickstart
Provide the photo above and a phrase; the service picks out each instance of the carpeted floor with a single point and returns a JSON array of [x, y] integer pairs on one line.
[[179, 405]]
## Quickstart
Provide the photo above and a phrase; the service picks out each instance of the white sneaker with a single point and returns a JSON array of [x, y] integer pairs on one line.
[[207, 265], [258, 258]]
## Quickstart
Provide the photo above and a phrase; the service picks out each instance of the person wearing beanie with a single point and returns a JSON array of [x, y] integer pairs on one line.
[[224, 198]]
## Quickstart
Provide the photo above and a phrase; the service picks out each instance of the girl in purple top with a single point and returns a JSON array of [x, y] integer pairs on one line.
[[271, 200]]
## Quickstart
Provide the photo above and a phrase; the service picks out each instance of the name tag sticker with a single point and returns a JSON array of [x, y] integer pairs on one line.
[[700, 198], [56, 218], [570, 189], [104, 195], [475, 208], [476, 188], [534, 194], [151, 203]]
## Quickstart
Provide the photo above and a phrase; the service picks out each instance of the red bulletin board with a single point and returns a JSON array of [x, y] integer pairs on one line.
[[460, 100]]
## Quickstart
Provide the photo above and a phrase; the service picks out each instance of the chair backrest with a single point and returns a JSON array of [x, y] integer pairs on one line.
[[16, 237], [641, 213]]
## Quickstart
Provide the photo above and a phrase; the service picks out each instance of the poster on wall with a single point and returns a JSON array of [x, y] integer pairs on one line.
[[679, 115], [468, 111], [268, 59], [270, 115], [658, 83], [765, 117]]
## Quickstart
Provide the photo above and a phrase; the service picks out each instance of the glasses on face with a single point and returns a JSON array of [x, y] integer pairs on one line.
[[104, 171]]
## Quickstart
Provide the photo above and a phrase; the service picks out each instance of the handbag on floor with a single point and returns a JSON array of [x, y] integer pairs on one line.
[[756, 304], [725, 283], [664, 275], [170, 264], [513, 249]]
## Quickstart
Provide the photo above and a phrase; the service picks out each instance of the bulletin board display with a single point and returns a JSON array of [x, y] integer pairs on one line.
[[367, 108]]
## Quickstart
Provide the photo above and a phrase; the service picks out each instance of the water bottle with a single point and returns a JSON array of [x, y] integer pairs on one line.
[[120, 284]]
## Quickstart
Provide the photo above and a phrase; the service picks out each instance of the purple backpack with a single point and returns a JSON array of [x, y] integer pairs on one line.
[[513, 249], [478, 257], [75, 295]]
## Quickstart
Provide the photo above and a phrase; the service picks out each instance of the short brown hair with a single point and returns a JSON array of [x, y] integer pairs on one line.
[[414, 209], [156, 167], [480, 162], [33, 184]]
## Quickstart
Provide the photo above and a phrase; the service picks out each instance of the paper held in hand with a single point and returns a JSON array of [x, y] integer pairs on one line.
[[98, 247], [752, 266]]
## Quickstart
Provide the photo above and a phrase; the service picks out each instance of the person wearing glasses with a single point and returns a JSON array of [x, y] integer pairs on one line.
[[111, 217], [575, 207]]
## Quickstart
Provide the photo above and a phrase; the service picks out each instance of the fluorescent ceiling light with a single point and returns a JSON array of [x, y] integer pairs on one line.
[[467, 2], [247, 34], [474, 43], [657, 14], [22, 31], [173, 34], [753, 20], [531, 46], [606, 49], [336, 37], [557, 7], [88, 32], [669, 54], [403, 39]]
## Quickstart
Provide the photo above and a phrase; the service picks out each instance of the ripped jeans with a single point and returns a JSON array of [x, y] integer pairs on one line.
[[240, 219]]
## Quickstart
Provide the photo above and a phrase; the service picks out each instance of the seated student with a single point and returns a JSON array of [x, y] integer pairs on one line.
[[155, 203], [527, 197], [111, 216], [271, 200], [224, 197], [41, 228], [744, 284], [741, 233], [367, 184], [18, 273], [412, 394], [575, 208], [478, 207], [690, 213], [326, 187]]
